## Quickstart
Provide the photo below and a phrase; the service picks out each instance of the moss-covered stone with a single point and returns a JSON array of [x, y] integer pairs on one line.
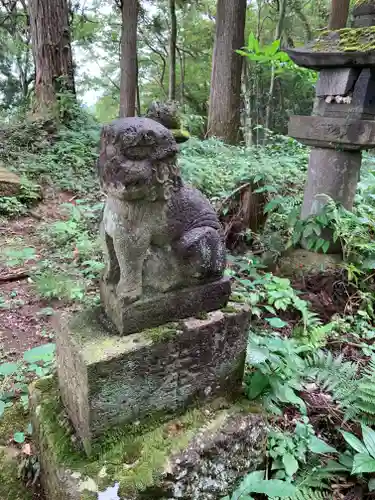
[[346, 40], [229, 309], [11, 487], [109, 379], [15, 419], [135, 456]]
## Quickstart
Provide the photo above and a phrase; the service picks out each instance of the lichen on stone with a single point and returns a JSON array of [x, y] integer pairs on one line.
[[134, 455], [346, 40]]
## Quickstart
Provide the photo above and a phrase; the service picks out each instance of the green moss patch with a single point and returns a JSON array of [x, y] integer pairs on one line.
[[161, 333], [346, 40], [11, 487], [135, 455], [14, 419]]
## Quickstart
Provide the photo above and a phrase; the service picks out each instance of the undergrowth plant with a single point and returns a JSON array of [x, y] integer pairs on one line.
[[15, 377]]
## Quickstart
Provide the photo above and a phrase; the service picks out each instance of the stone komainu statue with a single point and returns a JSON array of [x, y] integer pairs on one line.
[[160, 234]]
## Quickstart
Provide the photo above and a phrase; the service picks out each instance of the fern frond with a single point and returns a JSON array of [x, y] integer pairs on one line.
[[307, 494]]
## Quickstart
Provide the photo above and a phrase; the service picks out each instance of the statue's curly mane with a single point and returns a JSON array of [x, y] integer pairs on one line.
[[166, 178]]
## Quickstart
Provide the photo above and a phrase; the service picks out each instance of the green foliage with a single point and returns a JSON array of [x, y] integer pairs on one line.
[[275, 368], [364, 459], [289, 451], [15, 377], [255, 483]]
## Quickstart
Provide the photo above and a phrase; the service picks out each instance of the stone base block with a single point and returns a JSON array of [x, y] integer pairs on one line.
[[162, 308], [107, 380], [201, 455]]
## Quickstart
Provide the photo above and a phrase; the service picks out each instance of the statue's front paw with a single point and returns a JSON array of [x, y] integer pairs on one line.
[[128, 296]]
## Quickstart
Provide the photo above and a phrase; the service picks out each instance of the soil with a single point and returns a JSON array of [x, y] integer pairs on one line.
[[23, 322]]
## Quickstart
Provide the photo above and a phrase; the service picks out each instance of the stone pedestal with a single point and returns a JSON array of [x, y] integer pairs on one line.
[[331, 173], [107, 380], [164, 307], [200, 455]]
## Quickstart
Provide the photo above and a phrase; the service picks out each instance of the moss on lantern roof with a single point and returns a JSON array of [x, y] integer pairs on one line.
[[346, 40]]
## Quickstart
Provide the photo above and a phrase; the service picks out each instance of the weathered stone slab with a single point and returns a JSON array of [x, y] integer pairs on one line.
[[164, 307], [107, 380], [336, 81], [200, 455], [330, 133]]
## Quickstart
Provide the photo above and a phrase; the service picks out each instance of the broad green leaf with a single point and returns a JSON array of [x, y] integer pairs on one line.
[[257, 355], [273, 488], [369, 439], [252, 43], [258, 382], [7, 369], [40, 353], [354, 442], [326, 246], [363, 463], [2, 408], [333, 466], [316, 445], [290, 464], [19, 437], [276, 322]]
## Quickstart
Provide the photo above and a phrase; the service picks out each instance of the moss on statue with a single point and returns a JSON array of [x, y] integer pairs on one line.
[[134, 455], [161, 333], [180, 135], [346, 40]]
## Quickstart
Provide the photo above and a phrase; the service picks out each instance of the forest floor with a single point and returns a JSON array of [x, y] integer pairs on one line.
[[26, 318]]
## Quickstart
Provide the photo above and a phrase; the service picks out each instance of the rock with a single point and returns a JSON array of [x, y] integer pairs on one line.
[[10, 183], [201, 454], [108, 380], [301, 262]]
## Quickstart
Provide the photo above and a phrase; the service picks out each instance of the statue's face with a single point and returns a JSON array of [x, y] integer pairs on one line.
[[136, 158]]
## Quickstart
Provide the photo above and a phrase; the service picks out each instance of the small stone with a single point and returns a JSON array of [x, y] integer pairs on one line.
[[339, 99], [329, 99], [103, 472], [88, 485]]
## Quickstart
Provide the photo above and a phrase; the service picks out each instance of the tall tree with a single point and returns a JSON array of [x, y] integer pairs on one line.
[[278, 35], [172, 50], [225, 95], [339, 14], [50, 35], [128, 63]]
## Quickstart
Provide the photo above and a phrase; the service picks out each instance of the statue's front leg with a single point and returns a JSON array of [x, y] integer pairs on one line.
[[131, 247]]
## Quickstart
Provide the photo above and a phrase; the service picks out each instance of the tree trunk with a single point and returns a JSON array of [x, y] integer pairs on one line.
[[247, 112], [50, 34], [339, 14], [225, 96], [172, 51], [278, 34], [128, 63]]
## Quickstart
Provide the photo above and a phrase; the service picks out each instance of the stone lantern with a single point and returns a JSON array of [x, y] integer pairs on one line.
[[343, 119]]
